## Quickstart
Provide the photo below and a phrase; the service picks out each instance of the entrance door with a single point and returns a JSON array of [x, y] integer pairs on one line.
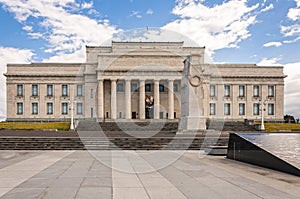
[[133, 115]]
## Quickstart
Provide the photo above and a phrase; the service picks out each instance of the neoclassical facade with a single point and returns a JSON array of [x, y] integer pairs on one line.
[[140, 80]]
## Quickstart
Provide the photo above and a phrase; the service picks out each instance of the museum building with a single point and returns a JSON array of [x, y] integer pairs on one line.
[[140, 80]]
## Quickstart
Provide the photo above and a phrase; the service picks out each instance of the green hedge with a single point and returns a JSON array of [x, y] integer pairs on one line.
[[60, 126]]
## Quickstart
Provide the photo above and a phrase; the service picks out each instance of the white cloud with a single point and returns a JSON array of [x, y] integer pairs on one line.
[[217, 27], [149, 12], [10, 55], [269, 62], [65, 31], [292, 92], [270, 7], [136, 14], [294, 13], [269, 44], [292, 30]]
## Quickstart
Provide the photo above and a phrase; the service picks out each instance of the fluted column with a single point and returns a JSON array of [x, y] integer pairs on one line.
[[127, 99], [100, 100], [156, 99], [113, 105], [171, 100], [142, 99]]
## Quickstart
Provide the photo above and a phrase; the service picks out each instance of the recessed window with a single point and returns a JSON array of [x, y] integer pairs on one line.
[[64, 90], [19, 108], [134, 87], [147, 87], [79, 108], [227, 109], [242, 109], [241, 91], [49, 90], [256, 109], [120, 87], [49, 108], [19, 90], [271, 91], [79, 90], [64, 108], [175, 88], [255, 91], [35, 90], [270, 109], [161, 88], [34, 108], [227, 90], [212, 108], [212, 89]]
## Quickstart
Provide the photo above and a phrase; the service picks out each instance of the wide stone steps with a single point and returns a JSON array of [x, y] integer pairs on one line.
[[103, 143]]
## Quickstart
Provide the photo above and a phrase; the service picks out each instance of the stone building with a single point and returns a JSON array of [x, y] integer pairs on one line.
[[140, 80]]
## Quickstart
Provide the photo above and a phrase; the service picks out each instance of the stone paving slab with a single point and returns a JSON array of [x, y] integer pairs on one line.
[[78, 174]]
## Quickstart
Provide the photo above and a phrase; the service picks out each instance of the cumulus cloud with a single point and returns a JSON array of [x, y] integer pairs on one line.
[[292, 93], [276, 44], [220, 26], [269, 62], [10, 55], [64, 30], [292, 30]]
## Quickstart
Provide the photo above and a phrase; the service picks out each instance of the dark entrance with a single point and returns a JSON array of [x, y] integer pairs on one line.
[[149, 102], [133, 115]]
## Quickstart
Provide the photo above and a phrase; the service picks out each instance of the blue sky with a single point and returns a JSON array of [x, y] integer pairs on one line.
[[266, 32]]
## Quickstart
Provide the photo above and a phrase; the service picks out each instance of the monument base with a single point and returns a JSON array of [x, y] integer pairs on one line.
[[192, 124]]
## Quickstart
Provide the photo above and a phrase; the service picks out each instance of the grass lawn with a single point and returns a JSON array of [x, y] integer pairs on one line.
[[60, 126], [281, 126]]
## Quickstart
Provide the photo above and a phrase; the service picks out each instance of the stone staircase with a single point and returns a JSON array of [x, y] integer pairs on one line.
[[91, 135], [234, 126]]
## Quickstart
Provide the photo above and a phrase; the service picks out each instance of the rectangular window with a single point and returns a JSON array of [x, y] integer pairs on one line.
[[79, 90], [64, 108], [227, 90], [134, 87], [19, 108], [227, 109], [212, 89], [161, 88], [49, 108], [175, 88], [241, 91], [64, 90], [147, 87], [256, 109], [270, 109], [49, 90], [271, 91], [34, 108], [212, 108], [256, 91], [242, 109], [79, 108], [120, 87], [19, 90], [35, 90]]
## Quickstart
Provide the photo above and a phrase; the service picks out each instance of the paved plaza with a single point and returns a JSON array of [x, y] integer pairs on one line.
[[81, 174]]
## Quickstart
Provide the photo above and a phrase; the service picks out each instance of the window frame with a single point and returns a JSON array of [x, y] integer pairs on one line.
[[35, 90], [20, 92], [227, 90], [34, 108], [50, 94], [22, 108], [243, 112], [243, 93], [77, 108], [227, 105], [51, 109], [79, 90], [212, 109], [64, 104], [272, 93], [212, 90], [272, 106], [256, 106], [256, 90], [64, 90]]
